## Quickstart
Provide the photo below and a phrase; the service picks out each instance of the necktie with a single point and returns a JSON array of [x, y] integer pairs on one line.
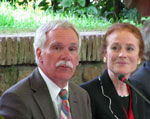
[[65, 109]]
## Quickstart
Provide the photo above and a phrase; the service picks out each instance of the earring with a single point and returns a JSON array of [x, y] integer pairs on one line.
[[104, 60], [139, 61]]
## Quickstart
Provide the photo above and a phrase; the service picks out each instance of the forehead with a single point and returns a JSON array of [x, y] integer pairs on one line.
[[62, 32], [123, 37], [63, 35]]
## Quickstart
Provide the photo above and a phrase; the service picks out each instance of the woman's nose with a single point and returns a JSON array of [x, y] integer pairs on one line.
[[122, 53]]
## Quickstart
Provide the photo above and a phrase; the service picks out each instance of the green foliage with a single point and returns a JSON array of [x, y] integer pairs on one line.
[[14, 19], [30, 14], [69, 3], [81, 2], [91, 10], [106, 8], [144, 19], [66, 3], [130, 15], [95, 8]]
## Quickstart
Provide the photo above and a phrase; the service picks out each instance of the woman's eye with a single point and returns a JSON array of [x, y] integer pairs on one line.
[[130, 49], [114, 48]]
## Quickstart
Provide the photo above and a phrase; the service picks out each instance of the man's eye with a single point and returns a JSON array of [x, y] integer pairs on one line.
[[57, 48], [73, 49]]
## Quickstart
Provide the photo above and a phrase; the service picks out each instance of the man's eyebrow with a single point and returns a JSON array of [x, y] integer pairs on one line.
[[74, 44], [56, 43]]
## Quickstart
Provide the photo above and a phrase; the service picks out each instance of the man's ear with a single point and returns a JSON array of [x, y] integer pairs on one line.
[[77, 63], [39, 54]]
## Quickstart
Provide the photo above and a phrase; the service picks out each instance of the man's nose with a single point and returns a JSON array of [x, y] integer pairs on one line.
[[66, 55]]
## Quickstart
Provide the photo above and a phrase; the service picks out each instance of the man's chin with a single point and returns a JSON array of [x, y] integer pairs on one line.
[[64, 77], [64, 70]]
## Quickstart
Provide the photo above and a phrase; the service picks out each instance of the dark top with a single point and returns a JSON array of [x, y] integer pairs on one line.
[[141, 80], [105, 102], [125, 102]]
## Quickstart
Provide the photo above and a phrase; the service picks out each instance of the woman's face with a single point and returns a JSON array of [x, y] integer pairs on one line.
[[122, 52]]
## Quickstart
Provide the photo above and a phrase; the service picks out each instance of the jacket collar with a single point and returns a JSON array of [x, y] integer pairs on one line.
[[73, 102], [41, 95], [110, 91]]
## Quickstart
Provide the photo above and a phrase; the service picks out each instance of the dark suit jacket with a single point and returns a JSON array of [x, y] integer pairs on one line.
[[105, 102], [141, 80], [30, 99]]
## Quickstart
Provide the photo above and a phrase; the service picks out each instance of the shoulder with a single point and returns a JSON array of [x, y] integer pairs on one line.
[[138, 75], [22, 87], [91, 86], [90, 83], [78, 93], [77, 88], [19, 87], [141, 71]]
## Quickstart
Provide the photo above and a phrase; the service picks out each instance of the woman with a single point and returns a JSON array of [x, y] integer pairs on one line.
[[110, 98]]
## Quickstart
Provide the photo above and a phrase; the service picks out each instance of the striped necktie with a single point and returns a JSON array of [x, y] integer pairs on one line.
[[65, 108]]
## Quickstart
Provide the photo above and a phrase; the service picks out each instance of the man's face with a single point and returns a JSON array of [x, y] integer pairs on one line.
[[59, 58]]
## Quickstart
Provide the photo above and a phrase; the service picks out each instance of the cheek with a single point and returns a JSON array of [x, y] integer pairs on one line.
[[52, 59], [134, 59], [75, 60], [111, 56]]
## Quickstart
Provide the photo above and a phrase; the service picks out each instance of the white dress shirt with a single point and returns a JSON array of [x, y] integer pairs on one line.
[[54, 92]]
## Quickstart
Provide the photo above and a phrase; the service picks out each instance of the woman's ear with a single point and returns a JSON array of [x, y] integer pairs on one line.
[[139, 61]]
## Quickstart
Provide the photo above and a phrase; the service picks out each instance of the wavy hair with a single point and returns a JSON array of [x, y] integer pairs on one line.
[[40, 35]]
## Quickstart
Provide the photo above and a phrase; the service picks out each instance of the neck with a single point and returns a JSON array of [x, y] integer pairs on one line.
[[120, 87], [61, 84]]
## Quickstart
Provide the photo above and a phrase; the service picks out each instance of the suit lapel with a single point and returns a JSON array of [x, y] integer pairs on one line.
[[110, 91], [41, 96], [73, 103]]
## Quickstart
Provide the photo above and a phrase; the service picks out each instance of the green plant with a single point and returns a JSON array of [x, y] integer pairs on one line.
[[131, 15], [16, 19]]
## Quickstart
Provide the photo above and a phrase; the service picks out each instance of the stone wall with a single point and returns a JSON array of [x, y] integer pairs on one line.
[[17, 58]]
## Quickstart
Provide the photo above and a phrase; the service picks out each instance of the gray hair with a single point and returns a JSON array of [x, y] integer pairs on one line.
[[40, 35], [146, 38]]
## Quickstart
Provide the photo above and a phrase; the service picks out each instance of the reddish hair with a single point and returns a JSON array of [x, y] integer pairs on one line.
[[125, 26]]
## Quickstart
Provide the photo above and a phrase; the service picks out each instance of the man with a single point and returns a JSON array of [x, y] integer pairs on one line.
[[141, 78], [56, 48]]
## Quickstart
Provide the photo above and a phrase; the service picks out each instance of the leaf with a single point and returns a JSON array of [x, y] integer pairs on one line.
[[92, 10], [81, 2], [66, 3]]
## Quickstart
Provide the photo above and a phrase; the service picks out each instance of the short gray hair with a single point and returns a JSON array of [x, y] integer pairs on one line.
[[40, 35], [146, 38]]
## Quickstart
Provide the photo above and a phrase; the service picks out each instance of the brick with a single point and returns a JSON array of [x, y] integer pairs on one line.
[[27, 54], [32, 55], [3, 48], [14, 50]]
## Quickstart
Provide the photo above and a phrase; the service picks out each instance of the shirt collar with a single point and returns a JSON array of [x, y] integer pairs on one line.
[[52, 87]]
